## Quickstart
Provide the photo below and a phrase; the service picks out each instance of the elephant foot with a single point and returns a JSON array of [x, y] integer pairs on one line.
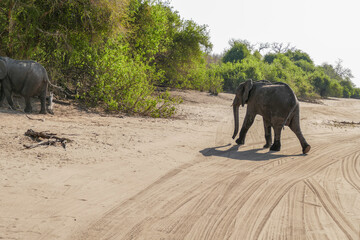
[[42, 112], [50, 111], [276, 146], [267, 145], [306, 148], [240, 142]]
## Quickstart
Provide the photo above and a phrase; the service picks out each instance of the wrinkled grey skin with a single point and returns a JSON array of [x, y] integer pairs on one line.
[[27, 78], [276, 103]]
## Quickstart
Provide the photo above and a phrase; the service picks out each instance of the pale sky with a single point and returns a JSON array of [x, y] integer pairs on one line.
[[327, 30]]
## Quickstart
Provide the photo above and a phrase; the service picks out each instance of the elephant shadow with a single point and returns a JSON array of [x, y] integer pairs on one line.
[[257, 154]]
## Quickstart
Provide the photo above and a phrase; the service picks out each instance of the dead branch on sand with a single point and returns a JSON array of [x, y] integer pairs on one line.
[[40, 137], [42, 120]]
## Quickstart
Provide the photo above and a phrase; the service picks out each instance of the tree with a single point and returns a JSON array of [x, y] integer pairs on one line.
[[270, 57], [28, 26], [344, 73], [263, 46], [330, 71], [281, 47], [348, 88], [338, 72], [323, 85], [298, 55], [237, 52], [184, 51]]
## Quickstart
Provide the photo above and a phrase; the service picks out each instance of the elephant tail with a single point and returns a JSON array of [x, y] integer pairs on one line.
[[288, 116], [294, 101], [53, 85]]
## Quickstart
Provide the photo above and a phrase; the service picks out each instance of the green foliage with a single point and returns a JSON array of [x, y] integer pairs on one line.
[[283, 69], [257, 55], [149, 26], [356, 93], [115, 53], [110, 53], [236, 53], [325, 86], [270, 57], [51, 25], [329, 70], [185, 58], [293, 67], [172, 46], [214, 81], [235, 73], [305, 65], [348, 89], [298, 55]]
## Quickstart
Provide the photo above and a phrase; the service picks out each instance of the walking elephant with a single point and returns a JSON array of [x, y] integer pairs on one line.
[[276, 103], [27, 78]]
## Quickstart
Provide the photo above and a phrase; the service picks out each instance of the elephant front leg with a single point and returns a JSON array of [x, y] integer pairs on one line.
[[277, 145], [248, 121], [9, 99]]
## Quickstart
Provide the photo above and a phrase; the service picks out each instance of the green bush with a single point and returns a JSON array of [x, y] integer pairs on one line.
[[214, 80], [115, 53], [123, 83]]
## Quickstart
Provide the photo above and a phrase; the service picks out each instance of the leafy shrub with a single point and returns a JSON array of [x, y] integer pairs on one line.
[[214, 81], [123, 83]]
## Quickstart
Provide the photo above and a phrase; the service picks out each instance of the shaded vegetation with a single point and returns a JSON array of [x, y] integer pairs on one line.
[[117, 53]]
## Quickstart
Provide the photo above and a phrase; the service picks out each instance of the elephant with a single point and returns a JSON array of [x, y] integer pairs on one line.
[[278, 106], [24, 77]]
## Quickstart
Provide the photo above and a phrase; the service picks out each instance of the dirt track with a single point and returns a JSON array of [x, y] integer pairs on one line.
[[139, 178]]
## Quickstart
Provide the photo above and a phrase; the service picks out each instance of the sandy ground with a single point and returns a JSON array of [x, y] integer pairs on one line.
[[180, 178]]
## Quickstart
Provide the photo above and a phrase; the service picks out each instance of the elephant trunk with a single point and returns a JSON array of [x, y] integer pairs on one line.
[[236, 106]]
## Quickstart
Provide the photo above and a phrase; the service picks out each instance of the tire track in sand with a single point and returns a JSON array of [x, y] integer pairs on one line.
[[257, 211], [350, 167], [347, 227], [205, 200]]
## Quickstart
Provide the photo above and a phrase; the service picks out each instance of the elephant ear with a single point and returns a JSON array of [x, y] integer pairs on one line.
[[3, 70], [247, 88]]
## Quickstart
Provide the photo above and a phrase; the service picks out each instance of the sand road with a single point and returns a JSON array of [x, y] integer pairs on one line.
[[181, 178]]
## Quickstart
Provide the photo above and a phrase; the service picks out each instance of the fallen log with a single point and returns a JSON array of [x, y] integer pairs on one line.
[[40, 137]]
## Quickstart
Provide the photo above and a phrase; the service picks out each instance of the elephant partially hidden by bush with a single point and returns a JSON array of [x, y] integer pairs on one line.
[[27, 78], [276, 103]]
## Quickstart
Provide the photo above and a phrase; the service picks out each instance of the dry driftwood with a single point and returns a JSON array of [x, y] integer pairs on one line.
[[45, 138], [42, 120]]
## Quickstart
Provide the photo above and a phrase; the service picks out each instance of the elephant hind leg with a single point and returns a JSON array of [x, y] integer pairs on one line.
[[295, 127], [42, 97], [43, 105], [277, 144], [28, 108], [268, 138]]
